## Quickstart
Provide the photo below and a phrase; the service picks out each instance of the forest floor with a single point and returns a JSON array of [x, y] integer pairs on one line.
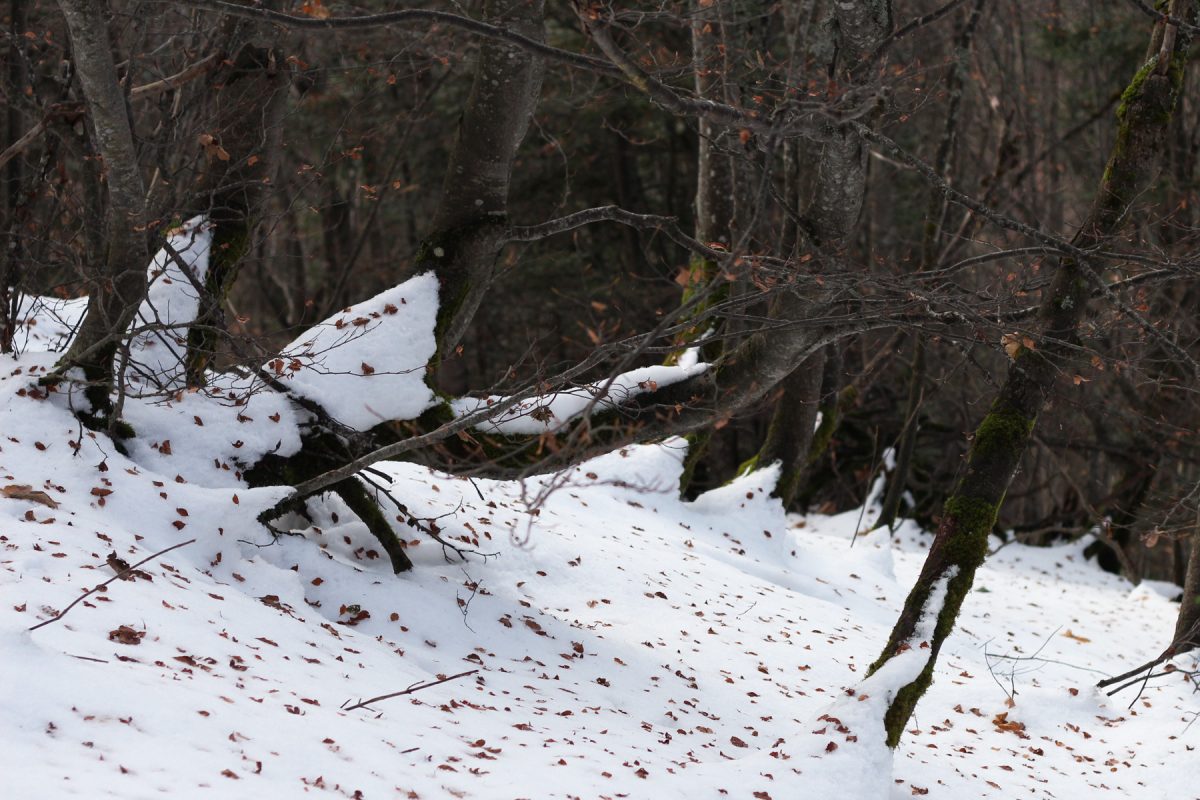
[[622, 643]]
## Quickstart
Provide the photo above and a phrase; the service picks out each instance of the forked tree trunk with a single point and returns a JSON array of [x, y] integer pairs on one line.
[[469, 230], [968, 516]]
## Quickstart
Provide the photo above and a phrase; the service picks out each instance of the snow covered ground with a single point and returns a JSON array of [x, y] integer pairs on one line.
[[625, 643]]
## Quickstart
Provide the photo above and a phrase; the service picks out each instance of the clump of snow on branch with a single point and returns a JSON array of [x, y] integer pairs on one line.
[[548, 413], [157, 355], [366, 364]]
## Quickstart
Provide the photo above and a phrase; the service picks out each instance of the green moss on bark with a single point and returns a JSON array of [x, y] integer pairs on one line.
[[1003, 431], [699, 277]]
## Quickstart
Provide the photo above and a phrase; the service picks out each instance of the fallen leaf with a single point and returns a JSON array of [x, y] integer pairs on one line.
[[23, 492], [126, 635]]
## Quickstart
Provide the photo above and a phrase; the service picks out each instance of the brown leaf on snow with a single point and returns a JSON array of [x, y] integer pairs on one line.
[[126, 635], [120, 565], [1080, 639], [23, 492], [1002, 722]]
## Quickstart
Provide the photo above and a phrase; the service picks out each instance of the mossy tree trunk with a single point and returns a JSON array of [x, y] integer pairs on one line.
[[968, 516]]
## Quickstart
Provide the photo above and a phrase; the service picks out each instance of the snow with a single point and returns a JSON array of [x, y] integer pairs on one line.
[[47, 323], [366, 364], [172, 302], [208, 437], [627, 643], [548, 413]]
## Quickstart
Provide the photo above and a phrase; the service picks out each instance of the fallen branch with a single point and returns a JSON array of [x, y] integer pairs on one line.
[[123, 573], [416, 687]]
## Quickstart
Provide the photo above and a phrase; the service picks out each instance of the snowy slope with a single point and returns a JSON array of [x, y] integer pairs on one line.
[[627, 644]]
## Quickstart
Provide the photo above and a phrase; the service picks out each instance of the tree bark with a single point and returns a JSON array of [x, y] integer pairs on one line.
[[715, 208], [117, 288], [248, 99], [1187, 627], [837, 182], [469, 229], [968, 516], [470, 225], [11, 179]]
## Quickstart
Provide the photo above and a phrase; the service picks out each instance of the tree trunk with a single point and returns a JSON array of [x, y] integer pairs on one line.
[[117, 288], [469, 229], [11, 180], [249, 97], [999, 442], [793, 425], [930, 244], [1187, 628], [715, 192], [470, 225], [838, 183]]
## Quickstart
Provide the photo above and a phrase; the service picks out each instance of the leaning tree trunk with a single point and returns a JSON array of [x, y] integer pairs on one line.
[[960, 545], [115, 289]]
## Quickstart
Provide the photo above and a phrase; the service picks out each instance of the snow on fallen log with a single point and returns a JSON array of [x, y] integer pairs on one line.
[[366, 364], [548, 413]]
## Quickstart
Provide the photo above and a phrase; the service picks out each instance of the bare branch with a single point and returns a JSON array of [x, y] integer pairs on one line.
[[416, 687], [99, 587]]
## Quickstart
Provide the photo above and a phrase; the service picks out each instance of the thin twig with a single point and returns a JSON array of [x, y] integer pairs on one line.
[[98, 587], [416, 687]]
